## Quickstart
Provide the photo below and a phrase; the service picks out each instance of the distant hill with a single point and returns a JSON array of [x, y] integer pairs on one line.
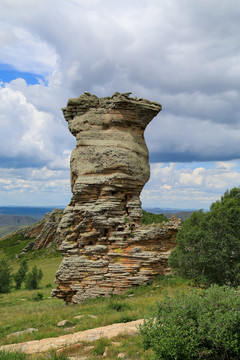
[[21, 220], [10, 223], [13, 218], [168, 212], [36, 212]]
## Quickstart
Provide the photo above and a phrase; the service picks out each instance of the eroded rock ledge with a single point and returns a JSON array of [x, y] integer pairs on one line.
[[105, 248]]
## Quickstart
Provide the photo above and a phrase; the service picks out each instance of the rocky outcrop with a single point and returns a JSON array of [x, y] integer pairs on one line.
[[105, 248], [43, 233]]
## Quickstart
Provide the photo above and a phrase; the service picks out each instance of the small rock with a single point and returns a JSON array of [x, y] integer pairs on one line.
[[64, 323], [69, 328], [88, 348], [122, 355], [78, 316], [105, 352], [93, 316], [27, 331]]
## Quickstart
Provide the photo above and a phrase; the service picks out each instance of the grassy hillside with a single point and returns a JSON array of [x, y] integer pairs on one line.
[[11, 223], [12, 218], [19, 220]]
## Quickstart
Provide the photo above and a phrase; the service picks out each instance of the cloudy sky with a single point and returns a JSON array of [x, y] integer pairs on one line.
[[184, 54]]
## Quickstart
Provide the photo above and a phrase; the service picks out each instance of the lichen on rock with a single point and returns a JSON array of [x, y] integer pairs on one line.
[[109, 167]]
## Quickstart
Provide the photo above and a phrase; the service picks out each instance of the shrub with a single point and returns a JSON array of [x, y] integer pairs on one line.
[[196, 326], [100, 346], [20, 275], [208, 249], [33, 278], [38, 296], [5, 277]]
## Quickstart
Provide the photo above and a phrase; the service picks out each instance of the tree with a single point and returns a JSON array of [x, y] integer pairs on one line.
[[208, 244], [195, 325], [5, 277], [149, 218], [20, 276], [33, 278]]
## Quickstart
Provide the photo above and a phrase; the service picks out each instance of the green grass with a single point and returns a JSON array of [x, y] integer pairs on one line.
[[9, 247], [21, 356], [4, 230], [19, 310]]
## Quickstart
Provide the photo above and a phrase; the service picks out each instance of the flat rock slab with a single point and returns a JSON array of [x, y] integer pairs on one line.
[[109, 331], [18, 333]]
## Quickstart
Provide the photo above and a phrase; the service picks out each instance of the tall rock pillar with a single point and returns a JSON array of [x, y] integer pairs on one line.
[[109, 167]]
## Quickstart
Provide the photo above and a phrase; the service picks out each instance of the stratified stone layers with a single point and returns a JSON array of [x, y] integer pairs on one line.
[[104, 248]]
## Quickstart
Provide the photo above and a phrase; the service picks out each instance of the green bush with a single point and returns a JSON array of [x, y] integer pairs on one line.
[[149, 218], [100, 346], [194, 326], [208, 249], [33, 278], [5, 277], [38, 296], [20, 275]]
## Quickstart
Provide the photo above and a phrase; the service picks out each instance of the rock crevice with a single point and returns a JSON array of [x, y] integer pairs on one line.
[[105, 249]]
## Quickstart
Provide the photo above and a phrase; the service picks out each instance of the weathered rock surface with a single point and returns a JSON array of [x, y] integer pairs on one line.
[[43, 233], [105, 248], [43, 345]]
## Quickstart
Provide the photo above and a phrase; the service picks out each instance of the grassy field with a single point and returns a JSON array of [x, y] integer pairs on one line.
[[20, 310]]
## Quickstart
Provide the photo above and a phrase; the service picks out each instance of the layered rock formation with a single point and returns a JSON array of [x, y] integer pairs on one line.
[[105, 249], [44, 233]]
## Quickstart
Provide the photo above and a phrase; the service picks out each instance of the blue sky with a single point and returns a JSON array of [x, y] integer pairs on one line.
[[184, 54], [8, 73]]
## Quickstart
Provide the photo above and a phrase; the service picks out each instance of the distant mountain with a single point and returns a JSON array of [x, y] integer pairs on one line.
[[36, 212], [13, 218], [168, 212], [19, 220], [10, 223]]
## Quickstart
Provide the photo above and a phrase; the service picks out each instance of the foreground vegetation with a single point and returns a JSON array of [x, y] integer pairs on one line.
[[20, 310], [208, 249], [186, 319], [196, 326]]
